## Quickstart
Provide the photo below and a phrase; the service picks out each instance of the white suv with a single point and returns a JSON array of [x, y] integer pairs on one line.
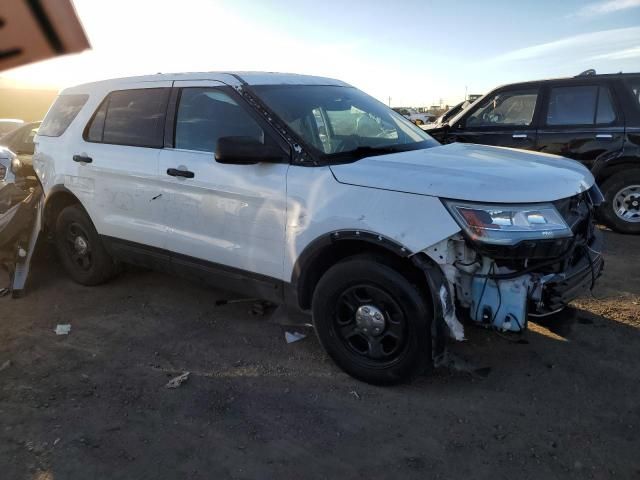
[[307, 192]]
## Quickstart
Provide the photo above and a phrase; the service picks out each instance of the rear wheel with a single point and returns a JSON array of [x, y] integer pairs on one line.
[[621, 208], [372, 321], [80, 249]]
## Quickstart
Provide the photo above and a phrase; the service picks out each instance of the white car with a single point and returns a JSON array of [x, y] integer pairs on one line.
[[7, 167], [308, 192]]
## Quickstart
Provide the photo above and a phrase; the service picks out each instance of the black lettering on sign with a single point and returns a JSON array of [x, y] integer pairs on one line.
[[12, 52], [45, 25]]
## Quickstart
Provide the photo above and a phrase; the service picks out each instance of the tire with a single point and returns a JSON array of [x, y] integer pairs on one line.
[[622, 185], [400, 349], [80, 249]]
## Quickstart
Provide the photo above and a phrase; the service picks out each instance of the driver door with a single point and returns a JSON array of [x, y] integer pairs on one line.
[[223, 220], [506, 118]]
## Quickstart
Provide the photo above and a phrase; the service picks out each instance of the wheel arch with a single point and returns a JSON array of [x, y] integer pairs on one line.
[[608, 169], [330, 248], [58, 198]]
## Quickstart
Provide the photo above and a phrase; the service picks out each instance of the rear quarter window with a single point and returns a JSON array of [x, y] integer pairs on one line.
[[633, 85], [62, 113]]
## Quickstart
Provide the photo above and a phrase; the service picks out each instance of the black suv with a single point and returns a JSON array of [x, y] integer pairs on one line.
[[594, 119]]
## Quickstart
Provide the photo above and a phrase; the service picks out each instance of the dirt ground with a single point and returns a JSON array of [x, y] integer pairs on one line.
[[561, 403]]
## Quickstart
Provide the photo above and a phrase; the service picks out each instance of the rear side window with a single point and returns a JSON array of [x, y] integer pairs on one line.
[[62, 113], [633, 84], [131, 117], [580, 105]]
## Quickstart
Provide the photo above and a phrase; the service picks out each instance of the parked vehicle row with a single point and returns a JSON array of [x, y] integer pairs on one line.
[[21, 142], [308, 192], [594, 119], [415, 116], [8, 125]]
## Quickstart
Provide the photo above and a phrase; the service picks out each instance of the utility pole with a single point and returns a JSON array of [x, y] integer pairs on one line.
[[389, 102], [465, 93]]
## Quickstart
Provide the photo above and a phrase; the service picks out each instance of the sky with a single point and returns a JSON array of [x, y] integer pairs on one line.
[[416, 52]]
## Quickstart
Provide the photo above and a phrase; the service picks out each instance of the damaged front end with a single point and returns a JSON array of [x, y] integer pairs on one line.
[[20, 213], [512, 262]]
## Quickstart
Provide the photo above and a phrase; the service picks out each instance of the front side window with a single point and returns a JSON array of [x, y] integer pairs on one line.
[[342, 121], [514, 108], [62, 113], [131, 117], [208, 114], [580, 105]]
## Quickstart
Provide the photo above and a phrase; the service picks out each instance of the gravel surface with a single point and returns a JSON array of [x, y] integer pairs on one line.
[[562, 402]]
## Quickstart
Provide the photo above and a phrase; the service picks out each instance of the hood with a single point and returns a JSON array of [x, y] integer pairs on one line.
[[465, 171]]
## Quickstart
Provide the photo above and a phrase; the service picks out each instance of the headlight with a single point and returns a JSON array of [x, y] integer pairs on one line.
[[508, 224]]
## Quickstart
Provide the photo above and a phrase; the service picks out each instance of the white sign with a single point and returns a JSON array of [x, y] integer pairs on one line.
[[32, 30]]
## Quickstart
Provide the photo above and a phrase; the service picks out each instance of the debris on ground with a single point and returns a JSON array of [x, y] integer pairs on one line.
[[456, 363], [63, 329], [221, 303], [4, 292], [5, 365], [179, 380], [261, 308], [355, 394], [292, 337]]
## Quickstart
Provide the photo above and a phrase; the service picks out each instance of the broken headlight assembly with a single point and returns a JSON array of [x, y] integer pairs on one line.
[[508, 225]]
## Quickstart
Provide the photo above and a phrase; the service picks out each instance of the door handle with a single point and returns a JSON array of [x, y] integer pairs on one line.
[[175, 172], [604, 136], [519, 135], [82, 159]]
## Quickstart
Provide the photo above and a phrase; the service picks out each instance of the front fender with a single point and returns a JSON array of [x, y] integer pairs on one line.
[[318, 205]]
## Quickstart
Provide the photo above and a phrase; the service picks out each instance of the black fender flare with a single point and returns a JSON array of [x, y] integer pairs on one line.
[[301, 270], [606, 164]]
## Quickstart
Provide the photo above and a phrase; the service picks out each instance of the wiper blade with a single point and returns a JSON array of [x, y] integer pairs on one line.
[[366, 150]]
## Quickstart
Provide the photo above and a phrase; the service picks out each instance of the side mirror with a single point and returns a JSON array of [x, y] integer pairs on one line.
[[246, 151]]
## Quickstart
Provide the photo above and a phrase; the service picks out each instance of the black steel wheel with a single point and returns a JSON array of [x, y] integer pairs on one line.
[[80, 249], [78, 246], [373, 322]]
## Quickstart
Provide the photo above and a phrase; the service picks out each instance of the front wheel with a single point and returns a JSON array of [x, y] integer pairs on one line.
[[372, 321], [621, 208]]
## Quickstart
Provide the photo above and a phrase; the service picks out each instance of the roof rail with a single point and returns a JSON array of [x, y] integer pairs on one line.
[[587, 73]]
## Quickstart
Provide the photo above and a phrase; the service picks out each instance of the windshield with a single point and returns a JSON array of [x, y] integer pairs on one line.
[[342, 121]]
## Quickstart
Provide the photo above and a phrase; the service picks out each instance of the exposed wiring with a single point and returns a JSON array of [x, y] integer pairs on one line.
[[484, 287], [458, 262], [495, 315]]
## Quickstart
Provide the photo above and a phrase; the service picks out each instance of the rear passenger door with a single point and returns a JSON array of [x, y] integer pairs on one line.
[[222, 219], [505, 118], [118, 162], [580, 121]]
